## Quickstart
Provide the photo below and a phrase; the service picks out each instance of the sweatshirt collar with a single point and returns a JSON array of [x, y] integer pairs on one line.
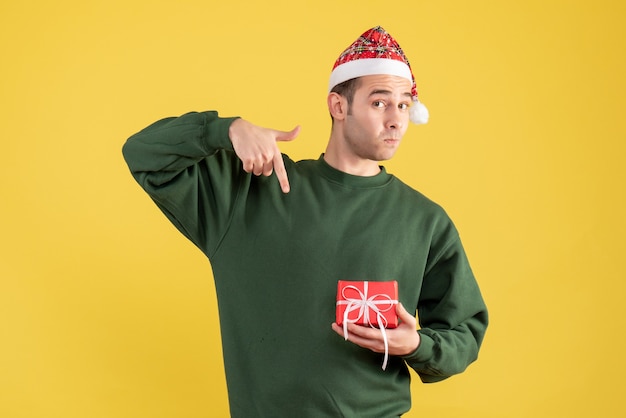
[[350, 180]]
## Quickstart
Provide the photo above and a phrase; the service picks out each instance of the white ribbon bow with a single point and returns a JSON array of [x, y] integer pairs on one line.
[[364, 305]]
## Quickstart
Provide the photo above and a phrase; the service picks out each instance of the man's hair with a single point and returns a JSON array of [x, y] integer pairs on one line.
[[347, 89]]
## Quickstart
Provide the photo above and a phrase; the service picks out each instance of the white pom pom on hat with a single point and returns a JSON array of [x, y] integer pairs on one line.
[[418, 113], [377, 52]]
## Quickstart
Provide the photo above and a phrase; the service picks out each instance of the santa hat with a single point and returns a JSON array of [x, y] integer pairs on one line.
[[376, 52]]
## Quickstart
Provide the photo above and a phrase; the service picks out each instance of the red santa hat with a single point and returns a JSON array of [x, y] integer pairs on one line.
[[376, 52]]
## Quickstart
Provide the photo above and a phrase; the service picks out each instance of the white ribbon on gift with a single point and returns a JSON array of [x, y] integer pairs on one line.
[[364, 305]]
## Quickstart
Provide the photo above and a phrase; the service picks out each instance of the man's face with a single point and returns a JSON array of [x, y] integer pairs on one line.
[[378, 117]]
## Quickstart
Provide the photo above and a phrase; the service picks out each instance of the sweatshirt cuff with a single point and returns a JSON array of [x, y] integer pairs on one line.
[[420, 360], [216, 131], [424, 351]]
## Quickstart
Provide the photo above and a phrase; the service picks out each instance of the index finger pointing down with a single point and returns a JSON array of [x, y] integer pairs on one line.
[[281, 172]]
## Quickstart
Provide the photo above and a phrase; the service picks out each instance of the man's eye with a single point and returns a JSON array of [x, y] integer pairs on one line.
[[378, 103], [403, 106]]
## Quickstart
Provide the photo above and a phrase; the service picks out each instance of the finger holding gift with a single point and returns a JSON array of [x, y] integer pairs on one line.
[[401, 341], [404, 339], [363, 336]]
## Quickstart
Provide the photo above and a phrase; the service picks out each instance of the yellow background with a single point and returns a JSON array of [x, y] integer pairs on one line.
[[107, 311]]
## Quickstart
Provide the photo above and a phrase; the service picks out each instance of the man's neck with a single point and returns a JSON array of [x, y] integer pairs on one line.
[[350, 165]]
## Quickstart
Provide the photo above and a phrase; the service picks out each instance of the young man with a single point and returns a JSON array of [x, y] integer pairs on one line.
[[280, 234]]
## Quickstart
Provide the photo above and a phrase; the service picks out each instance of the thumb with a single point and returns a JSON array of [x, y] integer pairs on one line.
[[404, 315], [289, 135]]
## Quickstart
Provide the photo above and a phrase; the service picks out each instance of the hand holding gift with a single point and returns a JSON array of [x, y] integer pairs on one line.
[[375, 319]]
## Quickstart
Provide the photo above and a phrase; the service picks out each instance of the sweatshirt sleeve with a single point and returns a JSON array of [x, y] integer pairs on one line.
[[452, 315], [188, 167]]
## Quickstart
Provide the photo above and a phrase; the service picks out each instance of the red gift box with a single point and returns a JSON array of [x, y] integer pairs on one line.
[[367, 303]]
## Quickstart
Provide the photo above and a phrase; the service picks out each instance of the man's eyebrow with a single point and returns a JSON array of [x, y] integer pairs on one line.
[[380, 91], [387, 93]]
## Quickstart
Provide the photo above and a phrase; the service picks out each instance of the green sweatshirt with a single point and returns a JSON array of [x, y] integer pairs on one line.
[[276, 260]]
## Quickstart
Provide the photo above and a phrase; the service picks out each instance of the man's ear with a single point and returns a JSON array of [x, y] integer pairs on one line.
[[337, 106]]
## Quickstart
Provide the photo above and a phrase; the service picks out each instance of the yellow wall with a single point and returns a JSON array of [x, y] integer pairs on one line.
[[107, 311]]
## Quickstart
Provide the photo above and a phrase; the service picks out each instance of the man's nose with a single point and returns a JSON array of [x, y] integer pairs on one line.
[[394, 118]]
